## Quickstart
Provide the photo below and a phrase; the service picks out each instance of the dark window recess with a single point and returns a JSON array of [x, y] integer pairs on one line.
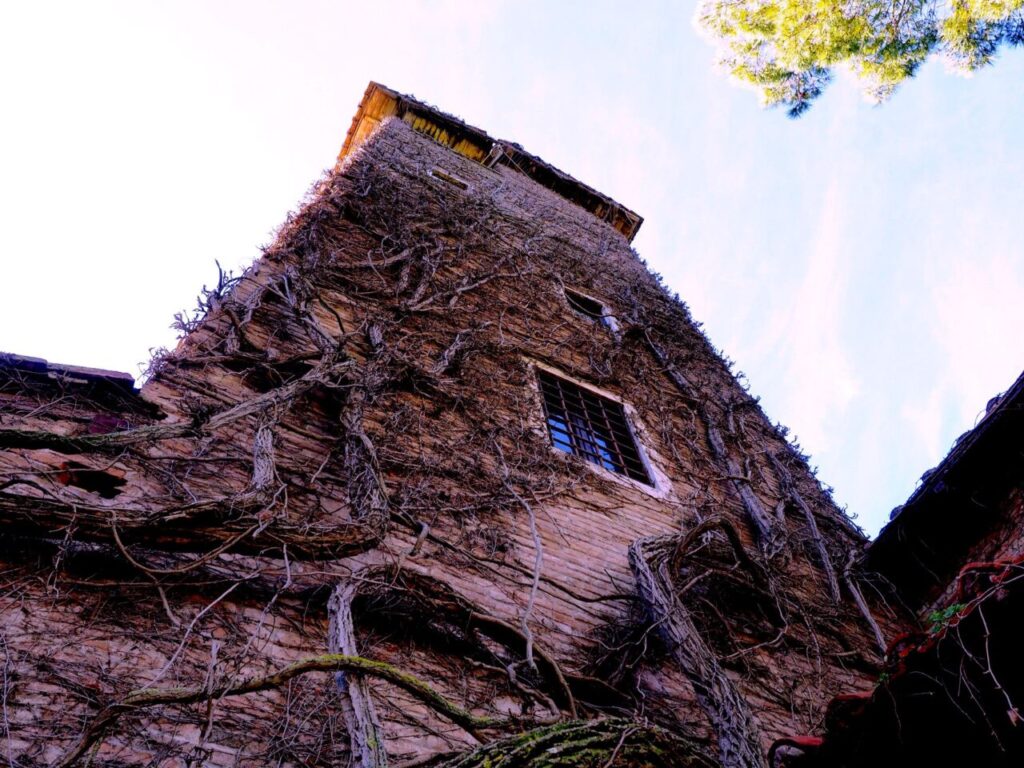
[[92, 480], [455, 181], [592, 427], [588, 307]]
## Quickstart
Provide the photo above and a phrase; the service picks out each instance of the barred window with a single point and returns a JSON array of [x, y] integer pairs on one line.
[[590, 426]]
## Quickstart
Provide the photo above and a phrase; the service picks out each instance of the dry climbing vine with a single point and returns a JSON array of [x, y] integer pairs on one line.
[[332, 525]]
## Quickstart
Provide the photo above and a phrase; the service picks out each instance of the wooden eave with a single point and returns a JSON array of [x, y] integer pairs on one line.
[[115, 390], [76, 374], [380, 102]]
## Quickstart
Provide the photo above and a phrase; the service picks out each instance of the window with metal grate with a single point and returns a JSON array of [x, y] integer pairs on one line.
[[590, 426]]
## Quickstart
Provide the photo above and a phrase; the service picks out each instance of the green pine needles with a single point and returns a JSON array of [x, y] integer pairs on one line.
[[789, 49]]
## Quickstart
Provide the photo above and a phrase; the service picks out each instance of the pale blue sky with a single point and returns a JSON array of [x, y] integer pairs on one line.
[[863, 266]]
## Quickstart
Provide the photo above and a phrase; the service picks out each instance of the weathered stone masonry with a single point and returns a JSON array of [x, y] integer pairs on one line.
[[345, 464]]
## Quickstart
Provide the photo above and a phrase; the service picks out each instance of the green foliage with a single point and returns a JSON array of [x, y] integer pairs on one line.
[[940, 619], [609, 743], [789, 49]]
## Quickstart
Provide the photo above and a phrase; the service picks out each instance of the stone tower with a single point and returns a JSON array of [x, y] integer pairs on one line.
[[445, 477]]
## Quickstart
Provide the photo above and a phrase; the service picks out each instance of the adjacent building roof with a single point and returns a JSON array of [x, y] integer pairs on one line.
[[948, 696], [74, 374], [958, 502]]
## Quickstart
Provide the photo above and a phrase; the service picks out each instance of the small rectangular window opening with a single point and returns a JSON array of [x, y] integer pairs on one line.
[[590, 426], [437, 173], [588, 307]]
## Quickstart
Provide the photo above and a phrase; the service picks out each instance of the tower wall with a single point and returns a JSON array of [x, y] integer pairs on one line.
[[361, 411]]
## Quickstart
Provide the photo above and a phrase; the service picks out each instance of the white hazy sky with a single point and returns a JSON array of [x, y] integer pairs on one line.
[[863, 266]]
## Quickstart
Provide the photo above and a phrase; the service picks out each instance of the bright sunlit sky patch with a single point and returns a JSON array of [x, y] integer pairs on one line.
[[863, 266]]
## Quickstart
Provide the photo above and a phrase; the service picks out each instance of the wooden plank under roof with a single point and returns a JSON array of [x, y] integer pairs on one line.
[[380, 102]]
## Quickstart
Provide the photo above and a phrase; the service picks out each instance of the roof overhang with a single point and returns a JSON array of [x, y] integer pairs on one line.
[[957, 504], [380, 102]]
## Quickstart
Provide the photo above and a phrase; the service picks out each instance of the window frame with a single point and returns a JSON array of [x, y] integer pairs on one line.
[[658, 486], [605, 319]]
